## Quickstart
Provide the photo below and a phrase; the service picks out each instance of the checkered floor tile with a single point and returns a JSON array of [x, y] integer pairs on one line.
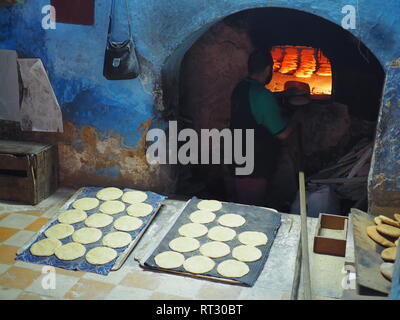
[[26, 281]]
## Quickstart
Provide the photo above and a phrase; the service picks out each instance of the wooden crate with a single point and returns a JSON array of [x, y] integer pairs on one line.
[[331, 235], [28, 171]]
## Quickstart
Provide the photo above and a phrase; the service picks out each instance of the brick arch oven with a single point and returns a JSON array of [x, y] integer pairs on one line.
[[346, 82]]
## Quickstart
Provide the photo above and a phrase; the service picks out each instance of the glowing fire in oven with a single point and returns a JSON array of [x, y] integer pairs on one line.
[[300, 63]]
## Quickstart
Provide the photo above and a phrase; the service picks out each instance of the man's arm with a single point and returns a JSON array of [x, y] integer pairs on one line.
[[294, 121], [286, 133]]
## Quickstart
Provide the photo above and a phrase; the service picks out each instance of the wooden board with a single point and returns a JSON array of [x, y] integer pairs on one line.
[[367, 255], [75, 11], [22, 147]]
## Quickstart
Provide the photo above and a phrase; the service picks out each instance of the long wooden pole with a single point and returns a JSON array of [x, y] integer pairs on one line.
[[297, 272], [304, 239]]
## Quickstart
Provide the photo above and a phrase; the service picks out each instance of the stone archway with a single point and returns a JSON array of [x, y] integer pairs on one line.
[[172, 69]]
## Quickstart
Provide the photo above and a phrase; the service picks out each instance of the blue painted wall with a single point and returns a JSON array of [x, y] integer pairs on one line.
[[163, 31]]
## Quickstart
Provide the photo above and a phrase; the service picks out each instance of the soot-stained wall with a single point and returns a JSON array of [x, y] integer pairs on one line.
[[106, 121]]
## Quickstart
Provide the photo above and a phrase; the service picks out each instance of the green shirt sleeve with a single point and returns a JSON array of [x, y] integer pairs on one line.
[[265, 109]]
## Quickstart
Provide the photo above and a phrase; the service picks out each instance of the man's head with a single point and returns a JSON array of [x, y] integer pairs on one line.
[[260, 66]]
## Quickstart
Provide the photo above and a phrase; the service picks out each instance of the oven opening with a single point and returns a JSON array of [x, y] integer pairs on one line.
[[306, 66]]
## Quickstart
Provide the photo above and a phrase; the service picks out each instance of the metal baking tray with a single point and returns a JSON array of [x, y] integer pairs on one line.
[[81, 264], [258, 219]]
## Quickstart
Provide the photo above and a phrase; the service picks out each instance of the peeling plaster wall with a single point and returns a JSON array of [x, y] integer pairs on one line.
[[384, 182], [106, 121]]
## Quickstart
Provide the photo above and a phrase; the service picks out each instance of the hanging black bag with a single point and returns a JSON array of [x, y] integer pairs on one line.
[[120, 61]]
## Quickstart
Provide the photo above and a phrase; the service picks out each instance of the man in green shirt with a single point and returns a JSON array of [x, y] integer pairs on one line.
[[255, 107]]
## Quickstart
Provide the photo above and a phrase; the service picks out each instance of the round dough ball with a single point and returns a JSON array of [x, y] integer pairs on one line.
[[70, 251], [111, 193], [59, 231], [388, 230], [389, 221], [202, 216], [389, 254], [87, 235], [378, 220], [98, 220], [253, 238], [387, 270], [210, 205], [221, 234], [139, 209], [193, 230], [184, 244], [101, 255], [169, 259], [231, 220], [233, 269], [117, 239], [128, 224], [132, 197], [246, 253], [86, 204], [112, 207], [198, 264], [45, 247], [215, 249], [72, 216]]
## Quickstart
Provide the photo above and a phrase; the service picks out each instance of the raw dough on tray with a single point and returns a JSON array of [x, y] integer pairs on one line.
[[184, 244], [378, 238], [389, 221], [128, 224], [210, 205], [387, 270], [253, 238], [193, 230], [169, 259], [231, 220], [111, 193], [45, 247], [117, 239], [388, 230], [389, 254], [70, 251], [202, 216], [139, 209], [246, 253], [72, 216], [101, 255], [132, 197], [87, 235], [86, 204], [59, 231], [112, 207], [215, 249], [98, 220], [221, 234], [233, 269], [198, 264]]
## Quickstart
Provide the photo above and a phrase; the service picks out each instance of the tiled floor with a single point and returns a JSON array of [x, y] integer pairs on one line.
[[27, 281]]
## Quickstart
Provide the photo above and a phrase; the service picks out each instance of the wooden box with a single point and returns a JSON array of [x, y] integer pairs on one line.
[[28, 171], [331, 235]]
